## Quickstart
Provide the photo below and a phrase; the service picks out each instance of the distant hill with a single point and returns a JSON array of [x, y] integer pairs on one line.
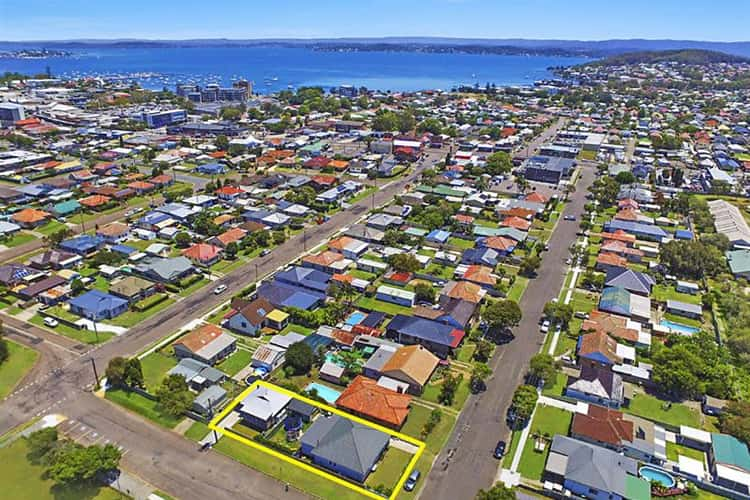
[[686, 56]]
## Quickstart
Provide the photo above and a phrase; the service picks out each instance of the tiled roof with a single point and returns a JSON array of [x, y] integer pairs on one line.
[[603, 425], [365, 397]]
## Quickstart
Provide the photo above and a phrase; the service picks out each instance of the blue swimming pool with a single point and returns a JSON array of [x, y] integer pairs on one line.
[[657, 476], [355, 318], [325, 392], [678, 327]]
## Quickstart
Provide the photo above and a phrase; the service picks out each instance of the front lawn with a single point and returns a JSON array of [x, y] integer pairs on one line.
[[654, 409], [198, 284], [197, 431], [299, 478], [460, 243], [142, 406], [548, 422], [235, 362], [155, 367], [466, 351], [131, 317], [440, 271], [23, 480], [519, 286], [432, 391], [51, 227], [20, 238], [561, 381], [390, 468], [82, 335], [20, 360]]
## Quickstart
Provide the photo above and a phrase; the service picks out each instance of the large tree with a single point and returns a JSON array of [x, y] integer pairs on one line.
[[502, 314], [523, 404], [543, 367], [74, 463], [558, 313], [404, 262], [174, 396], [499, 163], [300, 357], [498, 492]]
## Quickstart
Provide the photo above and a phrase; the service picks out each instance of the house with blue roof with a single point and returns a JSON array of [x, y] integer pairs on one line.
[[438, 236], [440, 338], [305, 277], [211, 169], [97, 305], [84, 245], [618, 300], [66, 208], [683, 234], [483, 256], [151, 220], [638, 229], [285, 295], [125, 250]]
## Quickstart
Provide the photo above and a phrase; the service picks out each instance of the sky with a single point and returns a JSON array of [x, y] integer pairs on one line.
[[715, 20]]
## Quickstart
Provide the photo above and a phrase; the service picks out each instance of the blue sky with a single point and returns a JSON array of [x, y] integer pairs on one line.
[[718, 20]]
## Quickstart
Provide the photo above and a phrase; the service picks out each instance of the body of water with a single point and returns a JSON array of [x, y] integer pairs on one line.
[[275, 68]]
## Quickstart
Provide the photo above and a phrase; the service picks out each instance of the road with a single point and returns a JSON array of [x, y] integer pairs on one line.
[[159, 456], [466, 463]]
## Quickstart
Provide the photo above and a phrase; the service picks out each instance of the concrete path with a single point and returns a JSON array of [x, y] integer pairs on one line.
[[403, 446], [102, 327], [579, 407], [133, 486]]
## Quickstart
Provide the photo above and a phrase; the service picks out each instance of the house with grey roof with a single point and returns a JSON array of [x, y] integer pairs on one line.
[[263, 408], [209, 400], [198, 375], [632, 281], [343, 446], [165, 270], [590, 471]]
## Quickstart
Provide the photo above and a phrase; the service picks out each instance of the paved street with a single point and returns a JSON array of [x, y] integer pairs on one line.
[[466, 463]]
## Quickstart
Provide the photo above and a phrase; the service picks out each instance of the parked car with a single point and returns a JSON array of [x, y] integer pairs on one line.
[[545, 326], [265, 252], [219, 289], [411, 481], [569, 217], [499, 450], [51, 322]]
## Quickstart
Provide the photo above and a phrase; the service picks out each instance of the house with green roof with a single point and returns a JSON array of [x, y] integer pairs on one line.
[[730, 463], [65, 208], [739, 263]]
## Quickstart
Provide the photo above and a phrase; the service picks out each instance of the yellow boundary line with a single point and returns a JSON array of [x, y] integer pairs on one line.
[[214, 426]]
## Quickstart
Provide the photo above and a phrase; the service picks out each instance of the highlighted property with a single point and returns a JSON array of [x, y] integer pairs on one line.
[[277, 417]]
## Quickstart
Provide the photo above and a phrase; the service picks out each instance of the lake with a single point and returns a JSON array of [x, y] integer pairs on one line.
[[276, 68]]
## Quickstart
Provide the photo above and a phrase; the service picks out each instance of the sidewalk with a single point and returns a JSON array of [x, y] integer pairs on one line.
[[133, 486]]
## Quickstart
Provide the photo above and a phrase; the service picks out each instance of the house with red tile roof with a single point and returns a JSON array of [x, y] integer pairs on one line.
[[141, 186], [623, 250], [203, 254], [229, 193], [317, 162], [536, 197], [618, 327], [327, 261], [31, 217], [233, 235], [597, 350], [366, 399], [516, 222], [606, 261], [162, 180], [481, 275], [619, 235], [95, 201], [603, 427]]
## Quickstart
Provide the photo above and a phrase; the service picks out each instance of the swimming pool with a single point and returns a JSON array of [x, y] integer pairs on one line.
[[679, 327], [325, 392], [355, 318], [657, 476]]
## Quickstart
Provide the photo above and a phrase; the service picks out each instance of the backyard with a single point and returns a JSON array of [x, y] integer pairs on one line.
[[390, 468], [656, 410]]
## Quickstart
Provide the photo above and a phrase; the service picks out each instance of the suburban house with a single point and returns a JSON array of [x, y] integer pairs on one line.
[[394, 295], [348, 247], [344, 447], [132, 288], [412, 365], [208, 344], [30, 218], [97, 305], [263, 408], [113, 233], [249, 317], [203, 254], [694, 311], [729, 462], [364, 397], [163, 270], [591, 471], [439, 338], [83, 245], [612, 429], [618, 300], [268, 357], [632, 281], [198, 375], [599, 386], [597, 349]]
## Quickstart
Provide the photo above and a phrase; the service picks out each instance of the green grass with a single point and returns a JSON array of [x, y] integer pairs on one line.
[[465, 352], [197, 431], [227, 266], [51, 227], [192, 288], [662, 293], [587, 155], [82, 335], [510, 451], [559, 387], [131, 318], [432, 392], [362, 194], [20, 360], [460, 243], [235, 362], [676, 318], [155, 367], [274, 467], [23, 480], [548, 421], [674, 450], [390, 468], [363, 275], [654, 409], [294, 327], [519, 286], [142, 406], [440, 271], [584, 301], [373, 304], [18, 239]]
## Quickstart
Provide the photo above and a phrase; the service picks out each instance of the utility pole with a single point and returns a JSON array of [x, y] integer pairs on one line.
[[304, 239], [96, 375]]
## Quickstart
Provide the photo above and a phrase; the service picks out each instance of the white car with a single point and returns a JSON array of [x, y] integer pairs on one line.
[[219, 289], [50, 322], [545, 326]]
